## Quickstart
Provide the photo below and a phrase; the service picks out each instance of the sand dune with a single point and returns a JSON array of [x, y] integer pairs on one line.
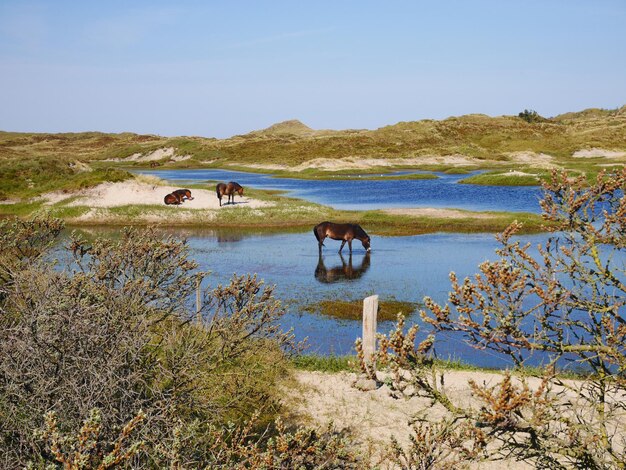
[[134, 192]]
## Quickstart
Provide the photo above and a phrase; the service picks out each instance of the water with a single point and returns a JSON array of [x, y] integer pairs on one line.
[[359, 194], [404, 268]]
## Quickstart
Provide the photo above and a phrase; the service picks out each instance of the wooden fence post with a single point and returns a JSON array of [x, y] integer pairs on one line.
[[198, 299], [370, 311]]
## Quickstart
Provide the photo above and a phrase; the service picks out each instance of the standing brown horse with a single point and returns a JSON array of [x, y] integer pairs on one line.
[[223, 189], [344, 232]]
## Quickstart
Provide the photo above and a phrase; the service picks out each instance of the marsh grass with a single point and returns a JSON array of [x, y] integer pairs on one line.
[[349, 363], [498, 178], [315, 362], [284, 213], [353, 309]]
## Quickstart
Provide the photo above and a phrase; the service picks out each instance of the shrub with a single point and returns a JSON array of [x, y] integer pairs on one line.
[[114, 331], [567, 303], [531, 116]]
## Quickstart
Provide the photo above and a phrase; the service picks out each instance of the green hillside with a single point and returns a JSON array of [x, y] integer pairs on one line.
[[33, 162]]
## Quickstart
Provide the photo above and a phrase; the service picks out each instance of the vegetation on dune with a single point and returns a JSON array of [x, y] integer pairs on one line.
[[566, 303], [285, 212], [489, 140], [28, 177], [103, 363], [531, 116]]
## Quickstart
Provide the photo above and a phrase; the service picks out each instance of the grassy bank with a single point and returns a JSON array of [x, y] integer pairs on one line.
[[350, 363], [506, 179], [284, 213]]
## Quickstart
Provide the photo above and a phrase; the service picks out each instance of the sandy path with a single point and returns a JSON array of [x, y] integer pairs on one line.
[[374, 417], [142, 193]]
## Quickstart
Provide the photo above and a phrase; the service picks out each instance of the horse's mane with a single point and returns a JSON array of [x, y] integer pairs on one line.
[[358, 231], [236, 185]]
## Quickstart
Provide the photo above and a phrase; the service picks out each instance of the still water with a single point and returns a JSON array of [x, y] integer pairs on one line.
[[404, 268], [359, 194], [400, 268]]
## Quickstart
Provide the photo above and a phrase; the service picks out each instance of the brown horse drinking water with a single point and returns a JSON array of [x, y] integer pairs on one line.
[[223, 189], [344, 232]]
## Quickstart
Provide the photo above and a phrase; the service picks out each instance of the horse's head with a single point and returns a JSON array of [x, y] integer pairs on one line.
[[188, 194], [240, 191], [366, 243]]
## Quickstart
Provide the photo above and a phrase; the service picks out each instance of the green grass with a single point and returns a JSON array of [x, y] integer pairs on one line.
[[314, 362], [491, 141], [285, 214], [353, 309], [31, 177], [349, 363], [505, 179]]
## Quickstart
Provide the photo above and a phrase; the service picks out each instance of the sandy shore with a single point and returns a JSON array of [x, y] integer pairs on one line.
[[134, 192], [374, 417]]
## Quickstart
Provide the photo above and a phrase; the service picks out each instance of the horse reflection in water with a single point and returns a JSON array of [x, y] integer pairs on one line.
[[229, 237], [345, 272]]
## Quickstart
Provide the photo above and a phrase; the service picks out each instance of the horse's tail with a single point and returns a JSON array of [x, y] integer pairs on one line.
[[317, 235]]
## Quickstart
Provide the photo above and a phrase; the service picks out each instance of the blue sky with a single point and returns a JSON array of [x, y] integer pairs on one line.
[[220, 68]]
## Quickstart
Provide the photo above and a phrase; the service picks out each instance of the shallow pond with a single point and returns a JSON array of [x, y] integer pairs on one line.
[[362, 194], [402, 268]]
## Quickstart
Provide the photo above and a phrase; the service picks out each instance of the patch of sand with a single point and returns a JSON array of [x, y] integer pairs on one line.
[[262, 166], [439, 213], [374, 417], [356, 163], [517, 173], [159, 154], [180, 158], [80, 167], [537, 160], [144, 193], [597, 153]]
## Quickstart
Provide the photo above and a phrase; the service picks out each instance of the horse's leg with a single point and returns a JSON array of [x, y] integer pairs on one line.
[[343, 242], [321, 242], [350, 246]]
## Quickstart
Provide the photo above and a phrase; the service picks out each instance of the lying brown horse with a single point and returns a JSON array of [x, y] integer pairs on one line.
[[178, 197], [183, 194], [344, 232], [223, 189]]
